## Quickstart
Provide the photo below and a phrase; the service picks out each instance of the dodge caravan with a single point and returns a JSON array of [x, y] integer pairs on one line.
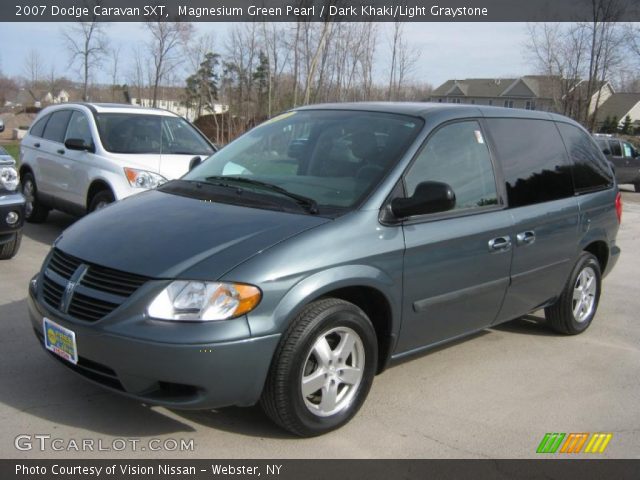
[[295, 264]]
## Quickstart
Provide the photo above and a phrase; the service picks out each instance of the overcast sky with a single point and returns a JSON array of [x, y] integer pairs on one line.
[[449, 50]]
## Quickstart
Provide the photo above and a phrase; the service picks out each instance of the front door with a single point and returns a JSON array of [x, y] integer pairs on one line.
[[456, 264]]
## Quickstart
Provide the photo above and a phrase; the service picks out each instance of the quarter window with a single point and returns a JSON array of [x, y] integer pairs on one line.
[[591, 170], [38, 127], [534, 160], [457, 155], [57, 126]]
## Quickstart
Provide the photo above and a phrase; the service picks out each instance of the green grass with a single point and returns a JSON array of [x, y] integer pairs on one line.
[[13, 149]]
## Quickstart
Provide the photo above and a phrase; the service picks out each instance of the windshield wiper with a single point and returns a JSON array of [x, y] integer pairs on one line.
[[309, 203]]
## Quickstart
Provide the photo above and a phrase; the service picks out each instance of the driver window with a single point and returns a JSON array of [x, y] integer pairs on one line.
[[79, 128], [457, 155]]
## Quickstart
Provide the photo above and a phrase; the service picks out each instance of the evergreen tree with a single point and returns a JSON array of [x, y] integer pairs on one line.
[[202, 86]]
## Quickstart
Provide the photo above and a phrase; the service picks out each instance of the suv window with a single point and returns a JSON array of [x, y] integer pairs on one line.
[[614, 146], [38, 127], [457, 154], [534, 160], [627, 149], [591, 170], [139, 133], [79, 128], [57, 126]]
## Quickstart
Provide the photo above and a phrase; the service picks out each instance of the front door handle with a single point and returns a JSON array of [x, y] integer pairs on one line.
[[37, 145], [61, 151], [526, 238], [500, 244]]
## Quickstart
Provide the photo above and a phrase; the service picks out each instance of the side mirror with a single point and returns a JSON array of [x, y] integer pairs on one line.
[[606, 151], [195, 161], [429, 197], [79, 144]]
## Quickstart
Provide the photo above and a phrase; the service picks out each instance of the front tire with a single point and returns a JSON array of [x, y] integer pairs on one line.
[[574, 310], [9, 249], [34, 211], [322, 370], [101, 200]]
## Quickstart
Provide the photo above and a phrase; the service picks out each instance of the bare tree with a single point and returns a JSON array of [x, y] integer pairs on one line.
[[165, 48], [114, 54], [33, 67], [87, 45]]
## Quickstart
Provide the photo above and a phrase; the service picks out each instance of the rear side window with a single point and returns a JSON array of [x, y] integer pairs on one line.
[[614, 146], [57, 126], [38, 127], [534, 160], [457, 154], [591, 169]]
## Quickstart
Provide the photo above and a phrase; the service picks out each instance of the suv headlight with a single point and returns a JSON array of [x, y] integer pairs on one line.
[[9, 178], [143, 178], [204, 301]]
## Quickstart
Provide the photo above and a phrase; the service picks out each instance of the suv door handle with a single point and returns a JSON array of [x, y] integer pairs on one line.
[[500, 244], [526, 238], [37, 145], [60, 151]]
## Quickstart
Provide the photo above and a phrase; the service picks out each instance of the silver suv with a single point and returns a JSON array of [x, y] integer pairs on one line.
[[79, 157]]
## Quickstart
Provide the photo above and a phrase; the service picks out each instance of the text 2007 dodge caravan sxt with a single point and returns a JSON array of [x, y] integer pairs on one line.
[[293, 265]]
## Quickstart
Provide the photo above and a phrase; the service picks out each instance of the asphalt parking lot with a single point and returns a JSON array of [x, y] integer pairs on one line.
[[493, 395]]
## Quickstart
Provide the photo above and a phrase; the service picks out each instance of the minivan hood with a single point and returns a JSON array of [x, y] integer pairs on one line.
[[161, 235]]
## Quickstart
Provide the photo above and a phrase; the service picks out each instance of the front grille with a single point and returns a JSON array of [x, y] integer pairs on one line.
[[97, 292]]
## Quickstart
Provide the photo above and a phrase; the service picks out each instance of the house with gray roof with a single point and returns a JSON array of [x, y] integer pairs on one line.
[[618, 106], [531, 92]]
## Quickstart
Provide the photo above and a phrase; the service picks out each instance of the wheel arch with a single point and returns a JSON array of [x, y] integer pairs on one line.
[[369, 288], [97, 185]]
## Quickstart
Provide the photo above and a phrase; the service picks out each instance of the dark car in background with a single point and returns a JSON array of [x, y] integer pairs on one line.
[[300, 260], [624, 157], [11, 207]]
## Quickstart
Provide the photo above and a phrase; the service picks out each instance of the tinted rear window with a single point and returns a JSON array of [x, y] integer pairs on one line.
[[57, 126], [534, 160], [591, 169], [38, 127]]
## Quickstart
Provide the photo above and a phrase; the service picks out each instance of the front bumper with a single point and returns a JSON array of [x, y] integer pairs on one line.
[[182, 376], [11, 202]]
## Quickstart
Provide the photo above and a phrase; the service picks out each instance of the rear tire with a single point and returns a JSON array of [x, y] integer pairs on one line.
[[101, 200], [34, 211], [574, 310], [322, 370], [9, 249]]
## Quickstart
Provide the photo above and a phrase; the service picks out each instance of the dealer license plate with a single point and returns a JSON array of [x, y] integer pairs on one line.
[[60, 340]]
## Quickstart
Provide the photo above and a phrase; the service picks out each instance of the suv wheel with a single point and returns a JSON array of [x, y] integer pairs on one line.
[[9, 249], [101, 200], [577, 305], [34, 211], [323, 369]]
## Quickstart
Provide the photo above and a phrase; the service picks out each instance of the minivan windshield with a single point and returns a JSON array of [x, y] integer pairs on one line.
[[327, 158], [155, 134]]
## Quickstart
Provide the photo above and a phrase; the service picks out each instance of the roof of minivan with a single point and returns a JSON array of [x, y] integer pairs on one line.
[[422, 109], [115, 108]]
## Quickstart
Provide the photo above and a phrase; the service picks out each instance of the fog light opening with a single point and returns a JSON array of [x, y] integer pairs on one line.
[[12, 218]]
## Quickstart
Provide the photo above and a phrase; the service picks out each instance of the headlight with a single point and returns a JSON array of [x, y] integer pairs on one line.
[[9, 178], [204, 301], [143, 179]]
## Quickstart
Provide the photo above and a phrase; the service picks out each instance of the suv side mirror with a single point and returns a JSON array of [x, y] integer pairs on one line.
[[194, 162], [606, 151], [79, 144], [429, 197]]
